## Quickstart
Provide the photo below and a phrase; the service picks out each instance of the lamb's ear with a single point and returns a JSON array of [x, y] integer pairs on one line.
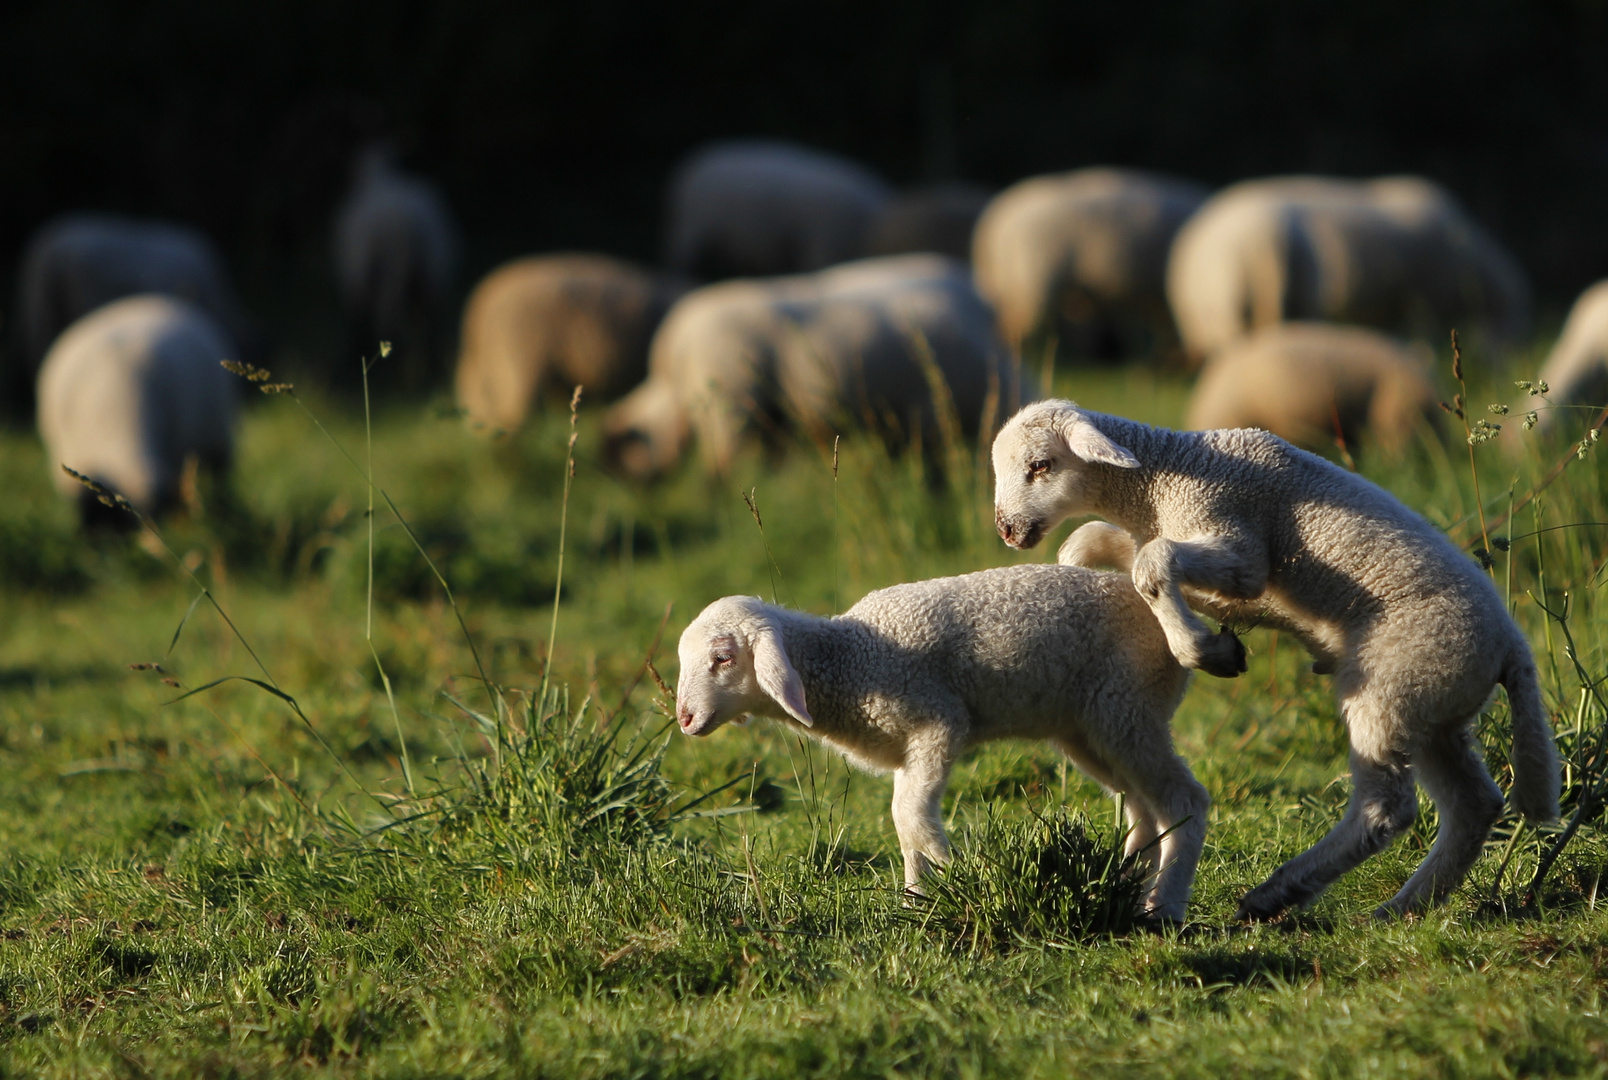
[[1090, 443], [776, 675]]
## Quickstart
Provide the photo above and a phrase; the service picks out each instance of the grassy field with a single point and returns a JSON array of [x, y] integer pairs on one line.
[[487, 879]]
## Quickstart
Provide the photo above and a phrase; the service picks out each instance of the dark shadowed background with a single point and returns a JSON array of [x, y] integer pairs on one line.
[[553, 125]]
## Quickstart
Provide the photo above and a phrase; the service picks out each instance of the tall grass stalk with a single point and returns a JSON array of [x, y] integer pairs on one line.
[[368, 622], [563, 525]]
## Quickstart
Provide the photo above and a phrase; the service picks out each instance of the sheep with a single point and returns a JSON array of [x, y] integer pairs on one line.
[[1576, 371], [938, 219], [556, 321], [1252, 529], [1314, 383], [1394, 253], [912, 676], [845, 344], [130, 392], [1081, 256], [395, 249], [76, 263], [759, 207]]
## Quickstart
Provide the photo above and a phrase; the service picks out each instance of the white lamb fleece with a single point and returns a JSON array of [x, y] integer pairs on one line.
[[912, 676], [129, 392], [1250, 529]]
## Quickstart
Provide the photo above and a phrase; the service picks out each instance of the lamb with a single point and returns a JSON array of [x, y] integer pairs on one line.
[[1082, 256], [912, 676], [1254, 530], [127, 394], [1394, 253], [556, 321], [843, 346], [760, 207], [395, 249], [1314, 383], [76, 263]]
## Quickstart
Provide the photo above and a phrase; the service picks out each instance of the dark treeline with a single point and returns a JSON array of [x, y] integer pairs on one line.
[[554, 124]]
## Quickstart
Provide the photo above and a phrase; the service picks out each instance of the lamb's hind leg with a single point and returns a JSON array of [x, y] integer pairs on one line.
[[1382, 805], [1452, 771], [1143, 821]]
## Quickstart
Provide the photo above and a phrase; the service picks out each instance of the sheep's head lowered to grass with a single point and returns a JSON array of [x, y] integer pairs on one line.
[[733, 662], [1045, 459]]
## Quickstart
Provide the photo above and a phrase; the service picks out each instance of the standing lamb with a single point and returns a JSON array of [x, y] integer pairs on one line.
[[129, 393], [79, 262], [1314, 383], [1256, 530], [844, 347], [395, 251], [911, 677], [1397, 253], [1082, 256], [555, 322], [754, 208]]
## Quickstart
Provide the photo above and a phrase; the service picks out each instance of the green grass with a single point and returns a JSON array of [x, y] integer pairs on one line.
[[207, 887]]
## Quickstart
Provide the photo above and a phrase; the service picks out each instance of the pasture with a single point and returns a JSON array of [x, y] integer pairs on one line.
[[462, 837]]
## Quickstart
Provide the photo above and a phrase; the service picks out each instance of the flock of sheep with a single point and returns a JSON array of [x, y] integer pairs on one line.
[[837, 302]]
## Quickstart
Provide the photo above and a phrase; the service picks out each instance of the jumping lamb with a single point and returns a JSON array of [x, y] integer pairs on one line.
[[1082, 256], [555, 322], [828, 351], [1398, 253], [1251, 529], [754, 208], [912, 676], [79, 262], [395, 252], [1314, 384], [129, 393]]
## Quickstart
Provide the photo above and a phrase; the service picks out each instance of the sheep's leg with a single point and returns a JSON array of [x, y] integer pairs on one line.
[[1163, 567], [1383, 804], [1452, 770], [918, 791], [1179, 804], [1136, 808]]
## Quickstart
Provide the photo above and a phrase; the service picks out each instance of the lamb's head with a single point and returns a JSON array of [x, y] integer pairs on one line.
[[733, 662], [1044, 459], [645, 432]]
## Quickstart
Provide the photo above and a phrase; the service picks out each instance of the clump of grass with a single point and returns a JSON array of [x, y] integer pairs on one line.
[[1052, 879]]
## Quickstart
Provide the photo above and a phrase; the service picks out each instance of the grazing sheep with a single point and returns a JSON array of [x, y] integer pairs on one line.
[[1311, 383], [938, 219], [1394, 253], [395, 251], [754, 208], [843, 345], [1082, 256], [555, 322], [1254, 530], [127, 394], [912, 676], [79, 262], [1576, 371]]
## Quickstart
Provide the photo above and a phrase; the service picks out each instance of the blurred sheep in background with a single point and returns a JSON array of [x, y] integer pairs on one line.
[[552, 322], [1576, 371], [938, 219], [1081, 257], [76, 263], [1313, 384], [756, 208], [128, 395], [1397, 253], [827, 351], [396, 249]]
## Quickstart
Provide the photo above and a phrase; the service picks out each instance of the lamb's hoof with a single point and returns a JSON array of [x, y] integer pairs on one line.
[[1323, 666], [1260, 905], [1224, 655]]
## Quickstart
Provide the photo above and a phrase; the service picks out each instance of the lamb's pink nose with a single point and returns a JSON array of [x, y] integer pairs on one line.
[[1004, 527], [684, 717]]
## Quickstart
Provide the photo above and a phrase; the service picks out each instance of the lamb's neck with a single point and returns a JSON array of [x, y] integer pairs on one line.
[[820, 651], [1126, 497]]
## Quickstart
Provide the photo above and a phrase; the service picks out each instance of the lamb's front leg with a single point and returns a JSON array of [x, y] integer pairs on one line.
[[918, 792], [1163, 567]]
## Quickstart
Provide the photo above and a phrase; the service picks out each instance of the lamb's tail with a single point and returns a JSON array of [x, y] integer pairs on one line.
[[1535, 755]]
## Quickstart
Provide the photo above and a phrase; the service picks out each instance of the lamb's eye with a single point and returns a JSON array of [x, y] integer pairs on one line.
[[1038, 468], [721, 657]]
